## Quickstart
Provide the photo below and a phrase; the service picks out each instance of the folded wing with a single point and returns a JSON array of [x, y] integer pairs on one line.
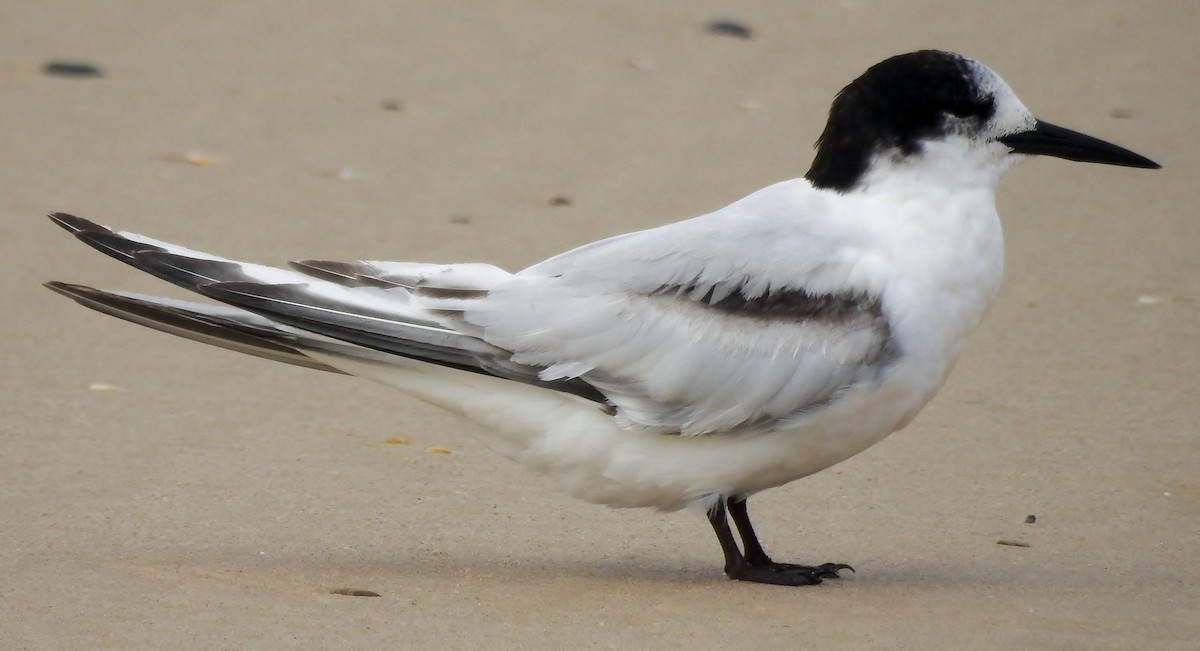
[[370, 315], [742, 319], [736, 321]]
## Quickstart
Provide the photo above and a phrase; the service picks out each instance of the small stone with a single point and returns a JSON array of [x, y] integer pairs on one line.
[[1030, 519], [72, 69], [559, 200], [731, 28], [354, 592]]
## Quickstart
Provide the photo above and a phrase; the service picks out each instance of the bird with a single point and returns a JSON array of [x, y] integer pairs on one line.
[[693, 364]]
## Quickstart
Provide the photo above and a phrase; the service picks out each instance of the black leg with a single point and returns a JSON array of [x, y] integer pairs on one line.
[[733, 556], [754, 551], [755, 565]]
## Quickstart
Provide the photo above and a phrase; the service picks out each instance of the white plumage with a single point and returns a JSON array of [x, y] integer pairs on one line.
[[695, 363]]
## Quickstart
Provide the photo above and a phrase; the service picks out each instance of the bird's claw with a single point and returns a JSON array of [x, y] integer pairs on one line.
[[830, 570], [788, 573], [823, 571]]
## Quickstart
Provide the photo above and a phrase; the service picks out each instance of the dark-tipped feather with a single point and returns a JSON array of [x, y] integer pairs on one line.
[[289, 304], [423, 339], [122, 248], [114, 245], [102, 239], [187, 271], [210, 325], [74, 224], [347, 274]]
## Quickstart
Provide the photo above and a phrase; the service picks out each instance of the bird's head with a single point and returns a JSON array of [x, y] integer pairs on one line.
[[913, 107]]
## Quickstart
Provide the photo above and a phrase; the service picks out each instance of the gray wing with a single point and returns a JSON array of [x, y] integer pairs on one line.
[[279, 313], [748, 318]]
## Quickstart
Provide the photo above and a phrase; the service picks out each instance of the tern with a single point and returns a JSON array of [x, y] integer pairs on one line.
[[692, 364]]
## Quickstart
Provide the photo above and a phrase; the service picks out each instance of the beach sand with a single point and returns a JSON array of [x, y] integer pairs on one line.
[[159, 494]]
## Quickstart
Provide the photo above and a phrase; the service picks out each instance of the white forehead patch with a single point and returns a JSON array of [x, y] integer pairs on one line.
[[1011, 116]]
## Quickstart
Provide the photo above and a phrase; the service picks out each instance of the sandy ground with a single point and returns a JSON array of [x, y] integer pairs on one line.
[[216, 500]]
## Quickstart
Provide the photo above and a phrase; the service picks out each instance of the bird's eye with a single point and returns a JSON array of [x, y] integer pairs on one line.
[[961, 110]]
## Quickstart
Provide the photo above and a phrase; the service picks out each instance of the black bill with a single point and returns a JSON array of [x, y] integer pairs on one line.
[[1047, 139]]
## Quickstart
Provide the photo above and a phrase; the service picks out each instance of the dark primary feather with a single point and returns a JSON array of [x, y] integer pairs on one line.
[[293, 305], [132, 252], [425, 340], [102, 239], [422, 339], [347, 274], [378, 331], [219, 326]]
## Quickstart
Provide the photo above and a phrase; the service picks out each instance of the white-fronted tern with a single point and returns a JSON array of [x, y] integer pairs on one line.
[[696, 363]]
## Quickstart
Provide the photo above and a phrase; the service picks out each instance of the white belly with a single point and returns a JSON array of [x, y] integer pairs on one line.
[[577, 444]]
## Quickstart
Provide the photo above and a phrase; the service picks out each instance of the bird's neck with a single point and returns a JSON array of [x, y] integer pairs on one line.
[[945, 248], [949, 166]]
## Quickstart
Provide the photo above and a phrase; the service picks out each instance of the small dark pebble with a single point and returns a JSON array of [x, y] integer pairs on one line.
[[74, 69], [354, 592], [391, 105], [459, 219], [1121, 114], [730, 28], [1012, 543], [560, 200], [1030, 519]]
